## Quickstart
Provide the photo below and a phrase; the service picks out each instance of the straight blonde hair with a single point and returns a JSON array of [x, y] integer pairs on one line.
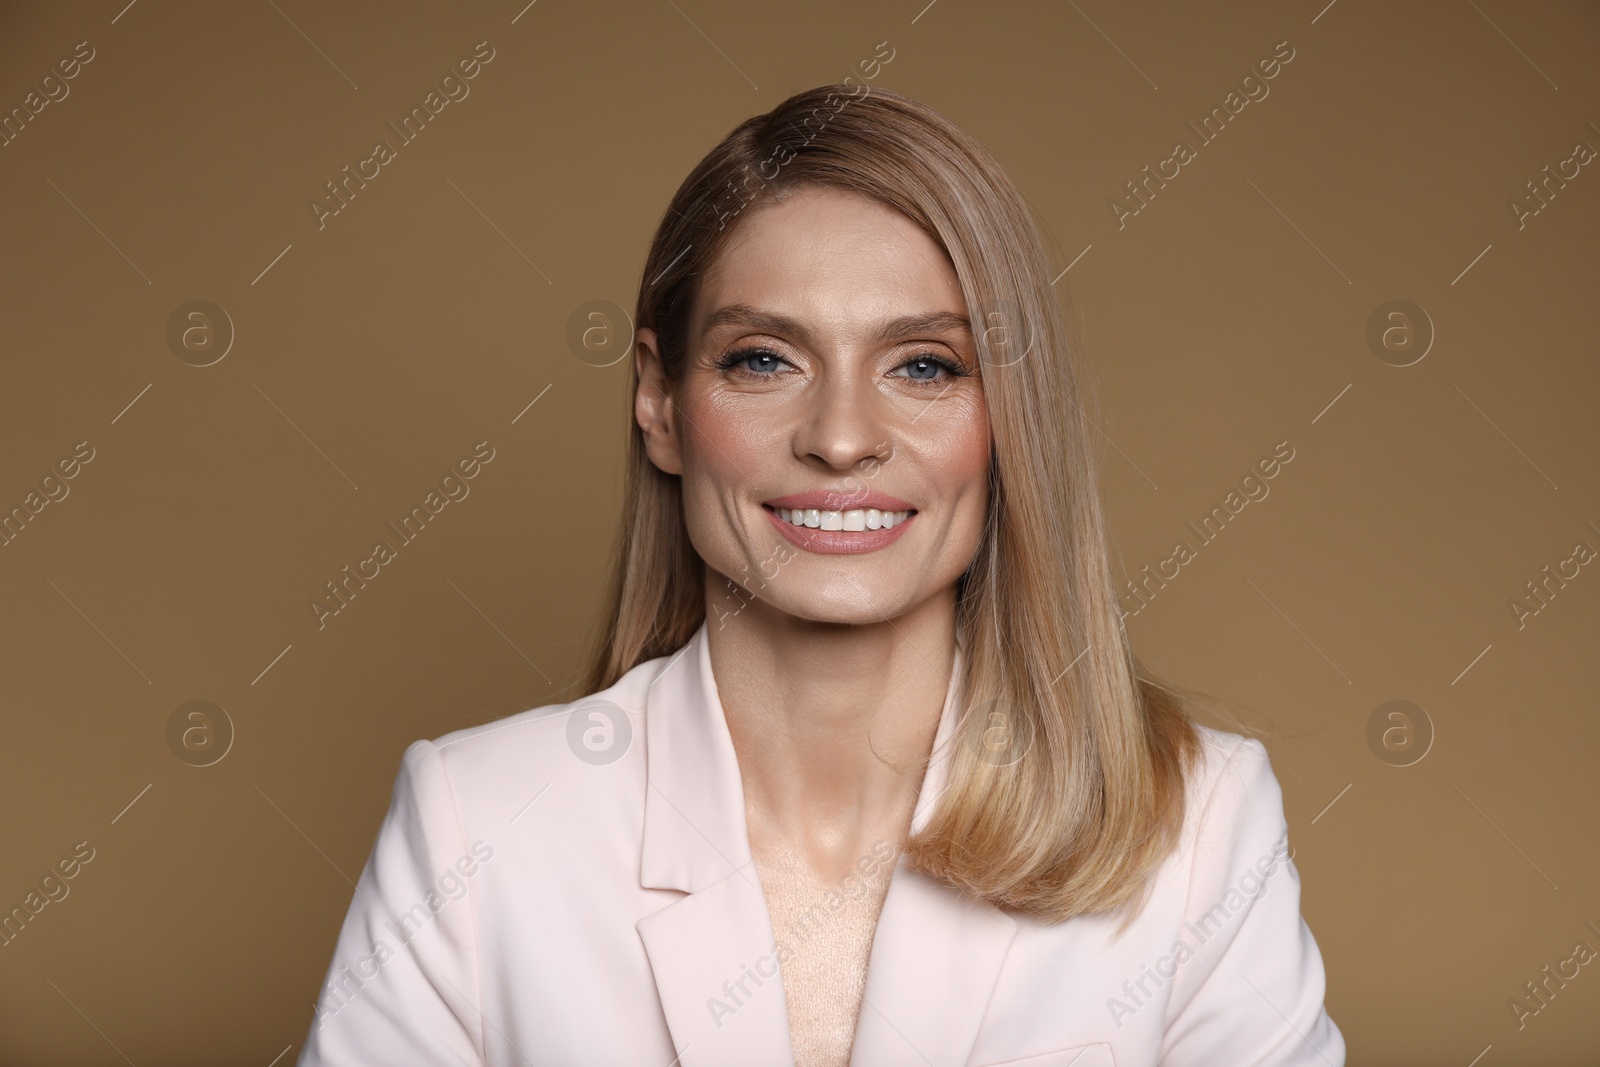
[[1067, 776]]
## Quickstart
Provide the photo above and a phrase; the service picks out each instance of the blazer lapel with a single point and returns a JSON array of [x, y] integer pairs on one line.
[[937, 953], [711, 952], [935, 961], [716, 972]]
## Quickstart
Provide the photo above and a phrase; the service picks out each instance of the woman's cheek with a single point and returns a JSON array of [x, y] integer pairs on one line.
[[727, 441], [960, 439], [958, 450], [722, 454]]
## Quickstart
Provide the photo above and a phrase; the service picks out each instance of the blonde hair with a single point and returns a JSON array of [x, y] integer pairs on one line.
[[1085, 796]]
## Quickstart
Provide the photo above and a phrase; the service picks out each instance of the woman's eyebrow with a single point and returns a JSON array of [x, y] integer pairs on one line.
[[892, 329]]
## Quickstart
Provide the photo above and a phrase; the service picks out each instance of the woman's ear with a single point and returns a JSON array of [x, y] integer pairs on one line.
[[652, 404]]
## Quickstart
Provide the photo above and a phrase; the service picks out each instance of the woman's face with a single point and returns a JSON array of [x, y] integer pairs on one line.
[[831, 377]]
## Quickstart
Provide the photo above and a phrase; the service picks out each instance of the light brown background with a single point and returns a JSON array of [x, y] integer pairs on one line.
[[1223, 319]]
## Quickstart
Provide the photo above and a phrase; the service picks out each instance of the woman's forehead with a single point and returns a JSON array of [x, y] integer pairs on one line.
[[830, 256]]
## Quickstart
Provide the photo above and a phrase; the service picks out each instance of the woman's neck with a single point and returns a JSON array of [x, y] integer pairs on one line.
[[832, 724]]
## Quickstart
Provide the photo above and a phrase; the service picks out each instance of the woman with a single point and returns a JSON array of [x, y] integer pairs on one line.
[[867, 773]]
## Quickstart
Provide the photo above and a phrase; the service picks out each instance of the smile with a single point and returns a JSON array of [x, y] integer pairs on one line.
[[852, 519], [848, 531]]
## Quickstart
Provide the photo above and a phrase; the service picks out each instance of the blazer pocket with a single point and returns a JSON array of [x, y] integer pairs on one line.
[[1076, 1056]]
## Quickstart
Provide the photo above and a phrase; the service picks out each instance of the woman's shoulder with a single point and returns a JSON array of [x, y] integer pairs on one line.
[[1232, 798], [546, 742], [1225, 760]]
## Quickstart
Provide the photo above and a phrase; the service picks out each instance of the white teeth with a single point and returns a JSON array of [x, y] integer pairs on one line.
[[853, 519]]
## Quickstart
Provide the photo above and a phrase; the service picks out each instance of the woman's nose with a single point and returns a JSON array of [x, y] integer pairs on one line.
[[842, 423]]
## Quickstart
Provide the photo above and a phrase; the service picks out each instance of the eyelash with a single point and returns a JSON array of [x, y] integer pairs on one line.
[[738, 356]]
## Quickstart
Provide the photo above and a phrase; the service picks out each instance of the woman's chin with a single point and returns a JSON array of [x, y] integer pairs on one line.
[[843, 607]]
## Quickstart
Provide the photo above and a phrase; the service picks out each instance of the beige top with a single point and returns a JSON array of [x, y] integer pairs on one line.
[[824, 934]]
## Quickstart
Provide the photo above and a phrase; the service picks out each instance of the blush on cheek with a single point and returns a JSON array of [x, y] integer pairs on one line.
[[973, 449], [724, 453], [720, 428], [724, 448], [964, 443], [962, 449]]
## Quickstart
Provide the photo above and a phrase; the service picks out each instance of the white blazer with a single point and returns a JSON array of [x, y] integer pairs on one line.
[[573, 885]]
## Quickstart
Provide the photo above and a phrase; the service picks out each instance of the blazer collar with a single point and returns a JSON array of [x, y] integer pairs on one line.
[[936, 954], [694, 825]]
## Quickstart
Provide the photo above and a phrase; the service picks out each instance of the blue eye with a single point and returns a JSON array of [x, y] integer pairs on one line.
[[927, 368], [758, 361]]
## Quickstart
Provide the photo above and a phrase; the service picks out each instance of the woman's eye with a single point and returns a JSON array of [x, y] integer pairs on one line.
[[926, 368], [754, 360]]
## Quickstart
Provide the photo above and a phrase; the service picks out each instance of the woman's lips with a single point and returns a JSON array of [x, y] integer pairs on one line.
[[838, 542]]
